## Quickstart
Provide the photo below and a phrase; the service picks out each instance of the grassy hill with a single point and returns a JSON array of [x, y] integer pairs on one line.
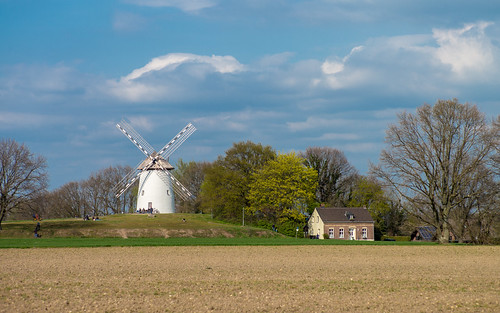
[[134, 226]]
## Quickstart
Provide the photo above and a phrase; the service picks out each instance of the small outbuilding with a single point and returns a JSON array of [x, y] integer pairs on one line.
[[341, 223], [427, 233]]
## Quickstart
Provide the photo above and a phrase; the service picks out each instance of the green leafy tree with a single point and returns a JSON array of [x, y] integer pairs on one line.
[[222, 192], [387, 214], [283, 189], [226, 184]]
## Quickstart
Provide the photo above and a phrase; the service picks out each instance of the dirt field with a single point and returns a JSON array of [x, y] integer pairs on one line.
[[251, 279]]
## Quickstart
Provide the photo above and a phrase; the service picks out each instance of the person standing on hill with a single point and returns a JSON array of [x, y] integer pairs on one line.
[[37, 229]]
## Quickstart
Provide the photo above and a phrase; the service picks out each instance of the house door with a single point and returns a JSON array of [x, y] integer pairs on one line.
[[352, 233]]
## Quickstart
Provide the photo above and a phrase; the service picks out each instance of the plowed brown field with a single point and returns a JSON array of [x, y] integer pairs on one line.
[[251, 279]]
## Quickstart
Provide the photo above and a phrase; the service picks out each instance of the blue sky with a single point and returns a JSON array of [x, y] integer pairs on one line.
[[290, 74]]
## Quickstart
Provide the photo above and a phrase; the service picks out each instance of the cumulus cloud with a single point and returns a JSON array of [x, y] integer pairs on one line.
[[466, 49], [421, 64], [417, 64], [169, 62], [332, 67], [157, 80]]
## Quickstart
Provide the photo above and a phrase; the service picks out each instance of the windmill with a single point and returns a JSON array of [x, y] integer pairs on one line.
[[156, 184]]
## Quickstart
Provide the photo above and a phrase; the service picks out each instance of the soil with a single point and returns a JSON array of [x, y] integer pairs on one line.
[[252, 279]]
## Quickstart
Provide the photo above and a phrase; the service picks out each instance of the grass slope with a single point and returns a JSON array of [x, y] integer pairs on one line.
[[133, 226], [142, 230]]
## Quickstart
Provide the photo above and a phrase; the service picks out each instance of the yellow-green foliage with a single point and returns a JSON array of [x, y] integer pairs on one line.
[[283, 188]]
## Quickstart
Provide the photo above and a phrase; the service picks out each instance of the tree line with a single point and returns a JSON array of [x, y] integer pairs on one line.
[[440, 167]]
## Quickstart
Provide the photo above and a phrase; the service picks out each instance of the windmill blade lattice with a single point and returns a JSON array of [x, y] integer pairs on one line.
[[136, 139], [127, 181], [179, 189], [173, 144], [155, 191]]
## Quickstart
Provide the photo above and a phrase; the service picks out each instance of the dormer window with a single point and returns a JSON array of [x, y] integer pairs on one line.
[[349, 216]]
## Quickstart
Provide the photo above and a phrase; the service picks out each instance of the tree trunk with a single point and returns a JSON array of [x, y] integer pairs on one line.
[[2, 216], [445, 235]]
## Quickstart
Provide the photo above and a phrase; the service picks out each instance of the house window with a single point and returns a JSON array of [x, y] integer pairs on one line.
[[364, 233], [317, 219], [331, 233], [341, 233], [352, 234]]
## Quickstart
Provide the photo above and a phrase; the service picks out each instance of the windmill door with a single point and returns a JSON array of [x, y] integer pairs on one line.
[[150, 205]]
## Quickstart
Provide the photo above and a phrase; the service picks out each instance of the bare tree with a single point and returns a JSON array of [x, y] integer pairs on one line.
[[98, 191], [191, 175], [68, 200], [94, 192], [496, 157], [127, 201], [335, 174], [434, 157], [22, 177], [475, 217]]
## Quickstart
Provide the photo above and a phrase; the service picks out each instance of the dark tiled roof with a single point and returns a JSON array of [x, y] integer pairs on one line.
[[427, 232], [344, 215]]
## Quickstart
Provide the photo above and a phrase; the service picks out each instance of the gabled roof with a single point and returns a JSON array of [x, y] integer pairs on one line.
[[427, 232], [344, 215]]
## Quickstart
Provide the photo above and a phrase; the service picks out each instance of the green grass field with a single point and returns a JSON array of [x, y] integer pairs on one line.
[[183, 241], [127, 230]]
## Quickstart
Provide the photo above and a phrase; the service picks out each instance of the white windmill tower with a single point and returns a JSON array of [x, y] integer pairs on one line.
[[156, 184]]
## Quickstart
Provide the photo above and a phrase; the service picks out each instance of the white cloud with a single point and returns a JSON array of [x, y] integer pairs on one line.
[[169, 62], [465, 49], [142, 85], [141, 122], [330, 67], [135, 92], [184, 5], [423, 64]]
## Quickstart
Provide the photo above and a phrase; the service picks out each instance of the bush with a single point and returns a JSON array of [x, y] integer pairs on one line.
[[396, 238], [288, 227]]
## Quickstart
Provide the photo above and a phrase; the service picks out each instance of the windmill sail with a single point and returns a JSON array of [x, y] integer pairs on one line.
[[157, 185]]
